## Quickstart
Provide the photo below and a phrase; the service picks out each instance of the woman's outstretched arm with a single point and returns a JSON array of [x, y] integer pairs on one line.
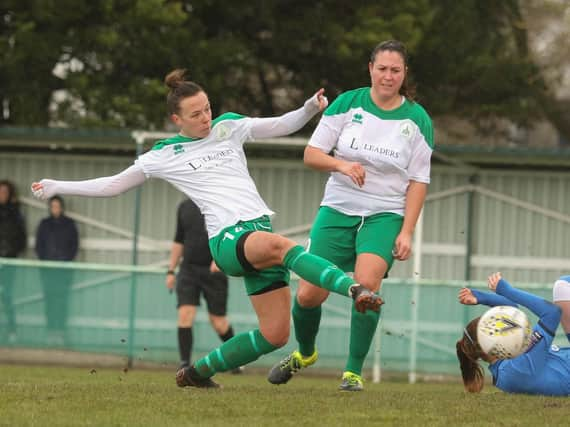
[[107, 186]]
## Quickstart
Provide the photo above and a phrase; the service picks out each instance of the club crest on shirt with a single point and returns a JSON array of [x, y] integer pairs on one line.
[[222, 132], [178, 149], [407, 129], [357, 118]]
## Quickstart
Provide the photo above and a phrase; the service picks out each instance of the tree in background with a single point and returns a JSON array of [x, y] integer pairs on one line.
[[547, 31], [101, 64]]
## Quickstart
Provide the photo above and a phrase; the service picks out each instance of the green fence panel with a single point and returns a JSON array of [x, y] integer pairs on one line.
[[87, 308]]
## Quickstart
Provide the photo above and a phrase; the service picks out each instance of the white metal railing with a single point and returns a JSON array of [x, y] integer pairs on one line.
[[145, 243]]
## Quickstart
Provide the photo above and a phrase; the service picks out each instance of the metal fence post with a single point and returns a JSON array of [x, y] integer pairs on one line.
[[417, 252], [139, 139]]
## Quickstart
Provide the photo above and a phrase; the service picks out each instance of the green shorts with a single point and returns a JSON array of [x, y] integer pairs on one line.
[[340, 238], [228, 251]]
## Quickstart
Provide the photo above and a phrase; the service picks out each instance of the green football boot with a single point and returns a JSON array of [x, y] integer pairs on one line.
[[351, 382], [284, 370]]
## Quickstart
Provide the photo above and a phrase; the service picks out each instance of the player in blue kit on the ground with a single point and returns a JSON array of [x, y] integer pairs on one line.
[[544, 368]]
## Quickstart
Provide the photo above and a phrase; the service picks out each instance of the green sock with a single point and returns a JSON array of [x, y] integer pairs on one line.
[[238, 351], [306, 321], [362, 329], [318, 271]]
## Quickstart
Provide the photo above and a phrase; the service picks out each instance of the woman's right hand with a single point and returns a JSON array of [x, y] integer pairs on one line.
[[44, 189], [354, 170], [214, 267], [170, 281], [466, 297]]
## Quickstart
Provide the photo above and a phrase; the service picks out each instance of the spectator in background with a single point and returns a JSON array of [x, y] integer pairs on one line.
[[56, 240], [12, 243], [198, 275]]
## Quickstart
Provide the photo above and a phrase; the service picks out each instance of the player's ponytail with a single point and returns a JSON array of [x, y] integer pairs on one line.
[[180, 88], [175, 78], [468, 353]]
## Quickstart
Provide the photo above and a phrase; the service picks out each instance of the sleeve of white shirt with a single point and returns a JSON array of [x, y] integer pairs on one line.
[[99, 187], [288, 123], [419, 168], [325, 136]]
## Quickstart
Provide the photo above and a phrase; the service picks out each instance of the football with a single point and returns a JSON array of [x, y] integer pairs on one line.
[[504, 332]]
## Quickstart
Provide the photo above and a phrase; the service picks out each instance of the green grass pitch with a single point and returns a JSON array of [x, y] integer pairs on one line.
[[56, 396]]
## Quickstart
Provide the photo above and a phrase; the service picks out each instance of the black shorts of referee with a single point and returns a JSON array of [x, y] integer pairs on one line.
[[197, 280]]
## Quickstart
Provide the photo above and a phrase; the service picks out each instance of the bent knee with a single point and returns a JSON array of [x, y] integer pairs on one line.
[[279, 341], [272, 245], [309, 296], [279, 246], [277, 337]]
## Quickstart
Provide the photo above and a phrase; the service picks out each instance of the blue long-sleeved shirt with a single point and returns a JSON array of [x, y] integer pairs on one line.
[[543, 369], [491, 299]]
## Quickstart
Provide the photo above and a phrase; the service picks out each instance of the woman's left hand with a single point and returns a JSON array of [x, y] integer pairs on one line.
[[321, 100], [493, 280], [403, 246]]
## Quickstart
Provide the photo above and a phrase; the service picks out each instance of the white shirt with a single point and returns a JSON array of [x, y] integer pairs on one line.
[[393, 146], [212, 171]]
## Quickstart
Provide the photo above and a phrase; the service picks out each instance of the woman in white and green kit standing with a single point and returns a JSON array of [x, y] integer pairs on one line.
[[376, 142], [206, 161]]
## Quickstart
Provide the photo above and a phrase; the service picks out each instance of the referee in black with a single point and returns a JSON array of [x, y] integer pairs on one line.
[[198, 275]]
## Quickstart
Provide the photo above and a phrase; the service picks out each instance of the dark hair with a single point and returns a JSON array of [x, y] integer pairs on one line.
[[12, 193], [407, 89], [179, 89], [59, 199], [469, 352]]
